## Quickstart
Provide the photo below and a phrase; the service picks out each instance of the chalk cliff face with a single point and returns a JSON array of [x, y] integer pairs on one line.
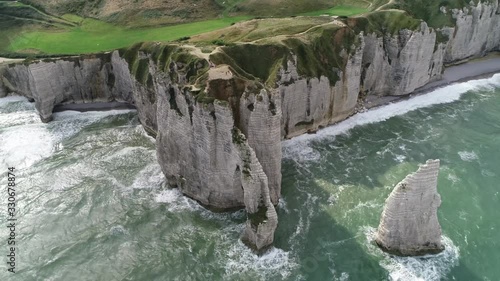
[[397, 65], [311, 103], [409, 225], [380, 65], [204, 154], [385, 65], [476, 32], [72, 80], [218, 124]]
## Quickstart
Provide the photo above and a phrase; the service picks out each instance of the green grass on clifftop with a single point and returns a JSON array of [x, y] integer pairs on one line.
[[93, 36], [27, 27], [429, 10]]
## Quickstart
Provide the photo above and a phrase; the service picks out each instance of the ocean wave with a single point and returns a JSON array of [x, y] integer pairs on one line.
[[274, 263], [27, 140], [151, 176], [363, 205], [23, 146], [72, 114], [11, 99], [176, 201], [9, 120]]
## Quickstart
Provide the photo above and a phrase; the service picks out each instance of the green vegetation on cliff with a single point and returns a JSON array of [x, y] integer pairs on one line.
[[165, 57], [77, 27], [93, 36], [383, 22], [297, 7], [430, 10], [133, 13], [338, 11], [320, 50]]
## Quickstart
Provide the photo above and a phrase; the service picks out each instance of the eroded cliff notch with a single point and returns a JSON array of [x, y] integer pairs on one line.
[[409, 225]]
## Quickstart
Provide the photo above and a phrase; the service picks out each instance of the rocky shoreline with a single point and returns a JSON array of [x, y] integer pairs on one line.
[[474, 69]]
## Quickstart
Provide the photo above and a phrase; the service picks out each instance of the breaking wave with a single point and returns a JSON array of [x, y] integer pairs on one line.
[[26, 140], [298, 147], [274, 263]]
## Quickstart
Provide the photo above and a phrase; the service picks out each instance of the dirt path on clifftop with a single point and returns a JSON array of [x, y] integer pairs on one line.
[[7, 60], [385, 5], [334, 21]]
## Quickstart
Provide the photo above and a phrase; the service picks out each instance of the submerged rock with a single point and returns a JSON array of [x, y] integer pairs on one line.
[[409, 225]]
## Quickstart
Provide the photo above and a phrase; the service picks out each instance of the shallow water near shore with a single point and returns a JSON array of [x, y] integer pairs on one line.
[[93, 205]]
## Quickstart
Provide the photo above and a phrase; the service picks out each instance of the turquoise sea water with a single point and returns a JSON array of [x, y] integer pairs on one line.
[[93, 205]]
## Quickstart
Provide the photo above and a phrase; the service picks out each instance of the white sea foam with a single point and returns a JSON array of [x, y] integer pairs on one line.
[[400, 158], [468, 156], [343, 277], [363, 205], [151, 176], [298, 147], [71, 114], [126, 152], [487, 173], [26, 140], [425, 268], [176, 201], [10, 99], [282, 205], [453, 178], [169, 196], [275, 262], [22, 146], [20, 118]]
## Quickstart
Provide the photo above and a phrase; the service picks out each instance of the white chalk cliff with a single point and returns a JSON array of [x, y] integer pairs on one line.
[[409, 224]]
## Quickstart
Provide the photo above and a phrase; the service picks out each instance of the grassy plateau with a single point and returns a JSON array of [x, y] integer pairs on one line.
[[92, 35], [28, 29]]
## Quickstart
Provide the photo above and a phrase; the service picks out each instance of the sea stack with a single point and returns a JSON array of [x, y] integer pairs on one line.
[[409, 225]]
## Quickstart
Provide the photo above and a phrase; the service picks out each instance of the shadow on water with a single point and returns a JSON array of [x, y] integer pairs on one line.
[[368, 161], [324, 249]]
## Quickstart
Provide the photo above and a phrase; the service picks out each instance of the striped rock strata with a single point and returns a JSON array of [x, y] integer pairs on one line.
[[409, 225]]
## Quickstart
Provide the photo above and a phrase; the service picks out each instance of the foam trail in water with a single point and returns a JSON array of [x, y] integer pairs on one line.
[[274, 262], [298, 148], [468, 156]]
